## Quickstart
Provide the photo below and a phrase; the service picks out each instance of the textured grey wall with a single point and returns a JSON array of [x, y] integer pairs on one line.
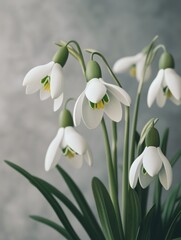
[[28, 31]]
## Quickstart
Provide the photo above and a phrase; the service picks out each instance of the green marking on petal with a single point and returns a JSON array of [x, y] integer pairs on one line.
[[106, 98], [92, 105], [144, 171], [68, 152], [167, 92], [44, 80]]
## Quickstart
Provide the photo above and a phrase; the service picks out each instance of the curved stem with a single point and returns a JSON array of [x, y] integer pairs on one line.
[[112, 178], [109, 68], [125, 182]]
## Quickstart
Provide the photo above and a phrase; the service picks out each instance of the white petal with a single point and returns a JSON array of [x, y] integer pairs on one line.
[[113, 109], [134, 170], [58, 102], [56, 81], [175, 101], [140, 69], [165, 174], [125, 63], [95, 90], [53, 152], [77, 112], [145, 179], [88, 156], [33, 87], [75, 162], [75, 141], [151, 161], [91, 117], [44, 94], [36, 74], [119, 93], [161, 98], [173, 81], [155, 87]]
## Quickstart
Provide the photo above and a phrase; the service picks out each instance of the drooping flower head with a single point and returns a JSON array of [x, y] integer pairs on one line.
[[151, 163], [135, 64], [69, 143], [166, 85], [48, 78], [98, 98]]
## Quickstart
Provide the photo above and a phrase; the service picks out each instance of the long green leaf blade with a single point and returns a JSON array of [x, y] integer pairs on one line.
[[105, 210]]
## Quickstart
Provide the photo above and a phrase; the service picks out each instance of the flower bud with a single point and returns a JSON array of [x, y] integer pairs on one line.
[[65, 118], [93, 70], [61, 56], [152, 138], [166, 61]]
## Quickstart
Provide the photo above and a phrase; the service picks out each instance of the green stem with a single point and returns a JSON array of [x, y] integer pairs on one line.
[[125, 183], [111, 178], [114, 153]]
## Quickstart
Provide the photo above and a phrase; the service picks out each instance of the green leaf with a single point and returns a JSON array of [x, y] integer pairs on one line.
[[169, 206], [175, 158], [165, 141], [105, 210], [145, 227], [81, 201], [53, 225], [169, 234], [133, 216], [52, 201]]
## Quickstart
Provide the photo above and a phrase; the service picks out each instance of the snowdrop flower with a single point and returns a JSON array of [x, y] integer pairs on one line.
[[135, 64], [48, 79], [166, 85], [67, 143], [98, 98], [151, 163]]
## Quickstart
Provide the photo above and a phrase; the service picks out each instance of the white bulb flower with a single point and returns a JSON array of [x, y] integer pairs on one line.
[[70, 144], [98, 98], [135, 64]]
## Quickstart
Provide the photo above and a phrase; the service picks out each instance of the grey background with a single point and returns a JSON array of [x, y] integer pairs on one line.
[[28, 32]]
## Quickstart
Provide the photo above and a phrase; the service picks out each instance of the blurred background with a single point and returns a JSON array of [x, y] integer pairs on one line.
[[29, 30]]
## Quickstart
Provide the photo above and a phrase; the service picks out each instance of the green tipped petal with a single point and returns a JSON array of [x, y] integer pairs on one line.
[[153, 138], [166, 61], [93, 70], [65, 119], [61, 56]]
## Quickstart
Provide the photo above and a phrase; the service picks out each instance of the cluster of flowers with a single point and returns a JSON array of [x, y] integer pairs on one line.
[[98, 98]]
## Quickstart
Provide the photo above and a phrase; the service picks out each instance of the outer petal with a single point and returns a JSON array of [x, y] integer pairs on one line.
[[77, 112], [33, 87], [165, 174], [135, 170], [145, 179], [44, 94], [113, 109], [58, 102], [56, 81], [75, 141], [125, 63], [95, 90], [140, 69], [88, 156], [155, 87], [76, 161], [175, 101], [36, 74], [151, 161], [91, 117], [53, 152], [161, 98], [119, 93], [173, 81]]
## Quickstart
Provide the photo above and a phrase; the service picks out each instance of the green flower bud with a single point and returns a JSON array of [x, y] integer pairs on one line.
[[152, 138], [93, 70], [166, 61], [65, 118], [61, 56]]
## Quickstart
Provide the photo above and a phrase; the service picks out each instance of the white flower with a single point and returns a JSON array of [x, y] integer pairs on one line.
[[167, 84], [97, 98], [48, 79], [72, 145], [135, 64], [146, 166]]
